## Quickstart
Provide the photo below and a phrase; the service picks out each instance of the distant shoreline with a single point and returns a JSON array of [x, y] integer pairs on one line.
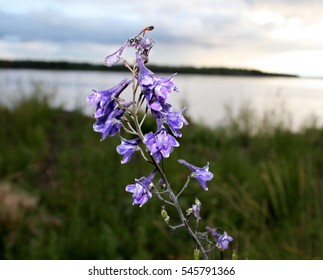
[[65, 65]]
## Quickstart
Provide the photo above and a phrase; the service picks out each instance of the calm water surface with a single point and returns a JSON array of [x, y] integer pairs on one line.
[[204, 96]]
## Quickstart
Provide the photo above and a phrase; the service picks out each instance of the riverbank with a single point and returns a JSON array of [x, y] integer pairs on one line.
[[65, 65]]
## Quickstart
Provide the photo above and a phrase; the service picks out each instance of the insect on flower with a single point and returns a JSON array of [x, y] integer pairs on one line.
[[143, 46], [135, 41]]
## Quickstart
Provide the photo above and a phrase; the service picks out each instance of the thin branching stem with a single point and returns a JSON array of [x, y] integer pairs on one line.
[[143, 154], [173, 198], [128, 130], [126, 64], [184, 187], [176, 227], [164, 200], [143, 119]]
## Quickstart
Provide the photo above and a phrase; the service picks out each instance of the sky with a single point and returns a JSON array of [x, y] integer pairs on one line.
[[284, 36]]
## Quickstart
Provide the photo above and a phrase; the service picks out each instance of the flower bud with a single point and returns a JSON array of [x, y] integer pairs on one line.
[[197, 254], [189, 211], [235, 255], [164, 215]]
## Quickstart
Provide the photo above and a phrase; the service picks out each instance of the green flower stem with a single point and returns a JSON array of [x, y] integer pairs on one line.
[[180, 213]]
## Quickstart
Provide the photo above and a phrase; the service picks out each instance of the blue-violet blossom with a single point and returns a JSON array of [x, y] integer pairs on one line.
[[127, 148], [175, 121], [107, 113], [109, 125], [222, 240], [196, 210], [101, 98], [160, 144], [144, 48], [156, 90], [202, 174], [141, 189], [114, 58]]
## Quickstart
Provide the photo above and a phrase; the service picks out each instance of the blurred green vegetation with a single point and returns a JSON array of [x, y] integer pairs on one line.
[[62, 191]]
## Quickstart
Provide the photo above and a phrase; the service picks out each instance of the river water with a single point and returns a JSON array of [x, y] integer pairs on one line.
[[206, 97]]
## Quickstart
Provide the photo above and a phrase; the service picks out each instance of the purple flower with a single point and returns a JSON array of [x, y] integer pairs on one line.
[[196, 210], [202, 174], [127, 148], [176, 121], [101, 97], [109, 125], [155, 89], [107, 113], [222, 241], [140, 190], [104, 100], [144, 49], [146, 77], [160, 144], [164, 86], [114, 58]]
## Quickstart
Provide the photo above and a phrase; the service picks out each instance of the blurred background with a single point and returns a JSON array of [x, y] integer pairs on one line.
[[250, 76]]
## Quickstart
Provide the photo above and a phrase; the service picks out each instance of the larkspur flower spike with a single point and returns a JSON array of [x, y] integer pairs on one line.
[[112, 113]]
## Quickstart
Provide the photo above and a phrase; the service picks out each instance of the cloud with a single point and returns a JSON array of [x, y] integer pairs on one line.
[[205, 32], [207, 23], [308, 11], [55, 27]]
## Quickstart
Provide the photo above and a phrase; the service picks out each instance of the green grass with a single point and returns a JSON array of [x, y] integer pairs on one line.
[[62, 190]]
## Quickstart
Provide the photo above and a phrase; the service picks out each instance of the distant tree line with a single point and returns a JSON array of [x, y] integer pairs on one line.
[[65, 65]]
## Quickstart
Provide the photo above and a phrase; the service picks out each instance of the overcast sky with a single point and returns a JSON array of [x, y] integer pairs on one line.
[[273, 35]]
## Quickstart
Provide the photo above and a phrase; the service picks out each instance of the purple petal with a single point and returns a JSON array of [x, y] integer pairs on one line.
[[114, 58], [202, 184], [201, 174], [190, 166], [131, 188], [127, 148]]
